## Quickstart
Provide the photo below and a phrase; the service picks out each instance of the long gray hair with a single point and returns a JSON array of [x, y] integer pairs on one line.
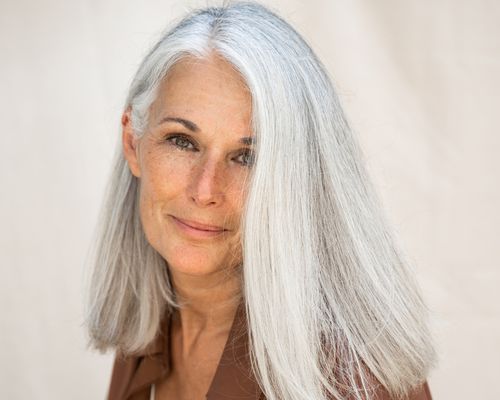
[[319, 257]]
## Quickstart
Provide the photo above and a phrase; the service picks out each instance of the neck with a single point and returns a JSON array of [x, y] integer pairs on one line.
[[208, 303]]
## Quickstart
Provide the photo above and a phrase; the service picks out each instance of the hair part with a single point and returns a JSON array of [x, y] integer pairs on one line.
[[319, 256]]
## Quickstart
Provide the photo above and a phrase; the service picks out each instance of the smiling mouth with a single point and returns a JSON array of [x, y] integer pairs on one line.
[[200, 226], [197, 229]]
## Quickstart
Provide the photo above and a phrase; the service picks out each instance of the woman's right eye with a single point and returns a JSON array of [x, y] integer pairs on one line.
[[181, 142]]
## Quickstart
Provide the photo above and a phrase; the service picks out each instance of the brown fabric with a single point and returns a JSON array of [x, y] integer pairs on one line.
[[132, 376]]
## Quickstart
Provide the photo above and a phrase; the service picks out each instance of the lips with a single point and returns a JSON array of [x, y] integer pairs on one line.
[[200, 226]]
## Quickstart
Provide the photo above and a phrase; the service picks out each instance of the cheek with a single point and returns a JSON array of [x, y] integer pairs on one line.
[[237, 196], [164, 177], [162, 181]]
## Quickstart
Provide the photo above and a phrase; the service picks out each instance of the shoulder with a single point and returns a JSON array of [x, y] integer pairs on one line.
[[422, 392], [123, 370]]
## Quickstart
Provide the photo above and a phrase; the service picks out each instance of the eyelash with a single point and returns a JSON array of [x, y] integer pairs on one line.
[[173, 141]]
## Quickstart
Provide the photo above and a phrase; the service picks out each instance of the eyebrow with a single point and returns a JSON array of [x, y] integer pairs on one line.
[[187, 124], [190, 125]]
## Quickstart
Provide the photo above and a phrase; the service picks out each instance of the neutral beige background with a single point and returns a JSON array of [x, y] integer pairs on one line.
[[420, 80]]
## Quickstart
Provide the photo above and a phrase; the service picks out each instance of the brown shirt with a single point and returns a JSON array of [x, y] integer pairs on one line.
[[132, 376]]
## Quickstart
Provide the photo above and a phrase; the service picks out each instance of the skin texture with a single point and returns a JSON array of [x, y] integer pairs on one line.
[[200, 176]]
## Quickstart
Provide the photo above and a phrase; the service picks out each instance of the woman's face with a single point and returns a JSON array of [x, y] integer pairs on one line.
[[193, 162]]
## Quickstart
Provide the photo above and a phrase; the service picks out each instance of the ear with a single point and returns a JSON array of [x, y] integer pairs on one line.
[[130, 144]]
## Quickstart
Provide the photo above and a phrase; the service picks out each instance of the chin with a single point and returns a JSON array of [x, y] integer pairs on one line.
[[191, 270], [195, 263]]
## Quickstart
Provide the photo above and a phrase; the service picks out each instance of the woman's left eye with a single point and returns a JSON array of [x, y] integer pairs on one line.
[[247, 158], [181, 142]]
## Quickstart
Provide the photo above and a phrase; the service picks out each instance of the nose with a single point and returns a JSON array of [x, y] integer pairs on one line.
[[205, 188]]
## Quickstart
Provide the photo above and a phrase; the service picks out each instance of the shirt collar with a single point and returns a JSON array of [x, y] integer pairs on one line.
[[233, 377]]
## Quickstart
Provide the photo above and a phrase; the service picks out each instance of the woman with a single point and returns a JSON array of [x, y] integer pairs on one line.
[[242, 252]]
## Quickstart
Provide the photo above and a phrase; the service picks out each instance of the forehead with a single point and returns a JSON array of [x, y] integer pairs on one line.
[[210, 92]]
